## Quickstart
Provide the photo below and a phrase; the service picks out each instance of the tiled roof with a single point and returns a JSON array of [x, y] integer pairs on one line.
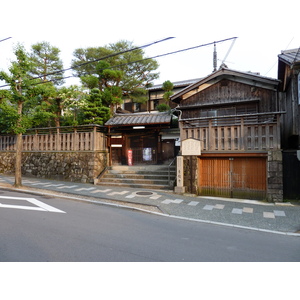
[[175, 84], [139, 119], [290, 56]]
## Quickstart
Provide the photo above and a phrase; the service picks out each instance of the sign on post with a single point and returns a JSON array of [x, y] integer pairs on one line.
[[191, 147]]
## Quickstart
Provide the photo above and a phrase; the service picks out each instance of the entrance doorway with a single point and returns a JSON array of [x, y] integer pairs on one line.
[[144, 149]]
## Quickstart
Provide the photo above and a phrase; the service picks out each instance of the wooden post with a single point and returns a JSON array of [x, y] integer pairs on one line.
[[58, 141], [242, 134], [94, 138]]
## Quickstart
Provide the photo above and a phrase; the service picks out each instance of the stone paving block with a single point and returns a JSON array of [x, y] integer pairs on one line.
[[279, 213], [208, 207], [168, 201], [248, 210], [193, 203], [237, 211], [219, 206], [100, 191], [269, 215], [118, 193]]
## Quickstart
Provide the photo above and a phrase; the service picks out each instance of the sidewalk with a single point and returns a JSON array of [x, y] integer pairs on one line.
[[283, 218]]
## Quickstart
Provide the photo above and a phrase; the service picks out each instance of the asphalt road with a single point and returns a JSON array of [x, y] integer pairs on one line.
[[38, 228]]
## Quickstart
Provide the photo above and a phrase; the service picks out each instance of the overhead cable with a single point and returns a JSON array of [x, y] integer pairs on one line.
[[117, 66]]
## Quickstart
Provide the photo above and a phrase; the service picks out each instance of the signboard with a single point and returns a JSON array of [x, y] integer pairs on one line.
[[147, 154], [129, 157], [191, 147]]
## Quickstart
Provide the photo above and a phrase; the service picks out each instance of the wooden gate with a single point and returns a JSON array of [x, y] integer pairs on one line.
[[235, 177]]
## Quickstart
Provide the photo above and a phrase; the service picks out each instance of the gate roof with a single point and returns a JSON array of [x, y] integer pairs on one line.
[[139, 119]]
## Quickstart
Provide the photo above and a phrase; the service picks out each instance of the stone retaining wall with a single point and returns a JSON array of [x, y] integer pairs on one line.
[[73, 166], [275, 177]]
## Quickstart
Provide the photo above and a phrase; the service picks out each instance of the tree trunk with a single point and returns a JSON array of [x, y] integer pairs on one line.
[[18, 162], [19, 146]]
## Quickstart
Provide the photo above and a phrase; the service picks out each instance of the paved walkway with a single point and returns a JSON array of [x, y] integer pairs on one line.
[[281, 218]]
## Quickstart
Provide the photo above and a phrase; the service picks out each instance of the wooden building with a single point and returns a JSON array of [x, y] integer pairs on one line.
[[289, 76], [140, 131], [142, 138], [155, 97], [235, 118]]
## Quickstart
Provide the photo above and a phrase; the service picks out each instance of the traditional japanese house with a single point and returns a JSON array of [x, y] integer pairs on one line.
[[138, 134], [141, 138], [155, 97], [289, 76], [230, 136]]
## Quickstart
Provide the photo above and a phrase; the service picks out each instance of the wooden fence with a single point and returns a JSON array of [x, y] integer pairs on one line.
[[260, 132], [84, 138]]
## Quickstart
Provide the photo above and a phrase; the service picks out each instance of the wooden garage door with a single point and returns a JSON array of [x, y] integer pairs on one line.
[[236, 177]]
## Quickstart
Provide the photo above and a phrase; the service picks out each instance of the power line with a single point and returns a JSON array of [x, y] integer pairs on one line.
[[96, 60], [5, 39], [105, 57], [117, 66]]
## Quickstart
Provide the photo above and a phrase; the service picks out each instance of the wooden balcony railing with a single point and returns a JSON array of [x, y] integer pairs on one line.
[[235, 133]]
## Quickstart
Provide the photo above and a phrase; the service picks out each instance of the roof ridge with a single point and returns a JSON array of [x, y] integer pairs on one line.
[[290, 51]]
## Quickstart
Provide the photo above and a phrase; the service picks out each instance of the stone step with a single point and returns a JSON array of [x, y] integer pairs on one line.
[[134, 181], [137, 186], [148, 177]]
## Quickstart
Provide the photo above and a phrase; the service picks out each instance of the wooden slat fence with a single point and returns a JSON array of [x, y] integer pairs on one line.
[[66, 141], [247, 135]]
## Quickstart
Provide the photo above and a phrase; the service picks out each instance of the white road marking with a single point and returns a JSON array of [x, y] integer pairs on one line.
[[41, 206]]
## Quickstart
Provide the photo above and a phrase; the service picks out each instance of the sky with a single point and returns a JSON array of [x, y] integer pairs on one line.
[[263, 29]]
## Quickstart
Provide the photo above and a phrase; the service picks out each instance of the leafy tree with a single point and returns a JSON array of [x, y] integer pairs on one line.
[[18, 96], [46, 63], [129, 70], [72, 104]]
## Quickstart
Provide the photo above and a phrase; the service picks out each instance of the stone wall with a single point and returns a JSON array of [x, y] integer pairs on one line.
[[190, 171], [73, 166], [7, 162], [275, 177]]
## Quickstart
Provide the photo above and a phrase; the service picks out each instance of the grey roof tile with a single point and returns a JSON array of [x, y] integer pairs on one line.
[[139, 119]]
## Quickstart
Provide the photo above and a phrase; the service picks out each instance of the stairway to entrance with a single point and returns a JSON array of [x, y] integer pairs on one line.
[[147, 177]]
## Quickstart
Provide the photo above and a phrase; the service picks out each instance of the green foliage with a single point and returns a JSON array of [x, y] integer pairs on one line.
[[72, 101], [167, 87], [163, 107], [8, 118], [13, 99], [46, 63], [95, 112], [129, 71]]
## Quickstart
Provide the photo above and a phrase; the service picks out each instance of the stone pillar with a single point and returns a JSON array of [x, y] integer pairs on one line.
[[275, 176], [179, 188]]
